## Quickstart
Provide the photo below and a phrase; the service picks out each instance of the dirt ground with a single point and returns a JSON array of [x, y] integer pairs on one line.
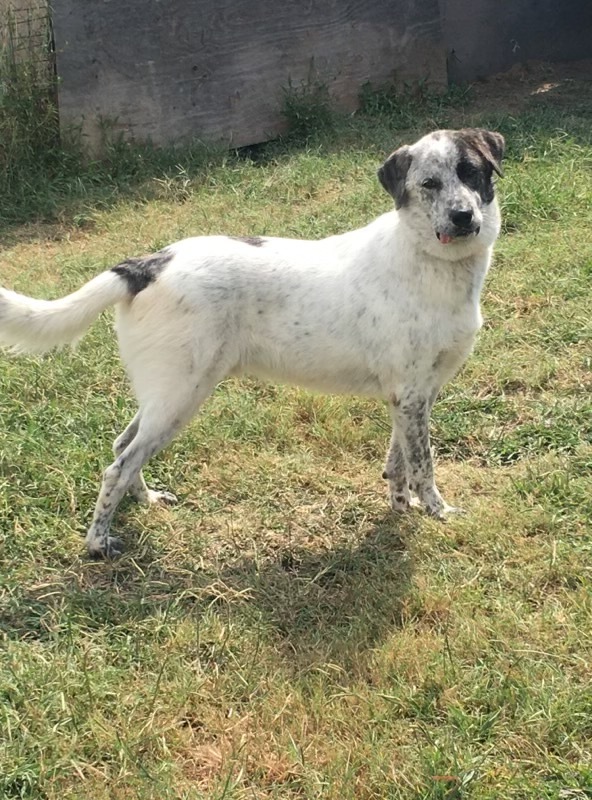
[[561, 83]]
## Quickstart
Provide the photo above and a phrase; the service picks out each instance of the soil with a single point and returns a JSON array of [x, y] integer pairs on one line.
[[561, 84]]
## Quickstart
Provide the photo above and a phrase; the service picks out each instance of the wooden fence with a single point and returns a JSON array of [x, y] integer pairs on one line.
[[173, 70]]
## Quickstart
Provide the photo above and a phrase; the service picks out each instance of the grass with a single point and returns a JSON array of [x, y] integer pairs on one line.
[[279, 634]]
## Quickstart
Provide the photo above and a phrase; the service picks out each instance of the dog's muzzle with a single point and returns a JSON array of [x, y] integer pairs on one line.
[[462, 225]]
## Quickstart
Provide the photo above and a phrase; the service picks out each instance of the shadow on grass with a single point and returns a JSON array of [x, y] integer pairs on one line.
[[333, 606], [311, 607]]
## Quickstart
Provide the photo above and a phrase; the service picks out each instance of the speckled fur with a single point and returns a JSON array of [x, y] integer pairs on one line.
[[387, 310]]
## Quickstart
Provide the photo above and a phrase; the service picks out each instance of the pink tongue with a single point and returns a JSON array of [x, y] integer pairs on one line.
[[445, 238]]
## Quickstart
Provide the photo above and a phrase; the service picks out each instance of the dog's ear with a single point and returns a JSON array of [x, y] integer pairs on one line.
[[489, 144], [393, 175]]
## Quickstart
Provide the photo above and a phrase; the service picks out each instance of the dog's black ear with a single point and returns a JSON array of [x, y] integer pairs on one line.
[[393, 175], [490, 144]]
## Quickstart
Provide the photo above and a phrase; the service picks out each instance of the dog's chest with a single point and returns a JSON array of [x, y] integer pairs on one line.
[[431, 305], [427, 327], [435, 340]]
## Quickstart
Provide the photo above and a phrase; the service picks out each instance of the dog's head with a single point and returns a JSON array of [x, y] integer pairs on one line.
[[443, 187]]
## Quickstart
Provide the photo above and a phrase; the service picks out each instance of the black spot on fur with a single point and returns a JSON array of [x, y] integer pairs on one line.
[[439, 360], [254, 241], [393, 175], [141, 272]]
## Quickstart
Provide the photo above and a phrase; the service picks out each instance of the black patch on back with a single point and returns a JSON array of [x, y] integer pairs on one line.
[[255, 241], [139, 273]]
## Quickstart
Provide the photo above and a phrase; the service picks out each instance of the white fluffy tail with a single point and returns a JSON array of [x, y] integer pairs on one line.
[[35, 326]]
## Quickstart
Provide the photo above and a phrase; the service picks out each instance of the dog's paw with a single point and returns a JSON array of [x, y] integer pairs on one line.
[[399, 495], [161, 498], [400, 502], [107, 549], [445, 511]]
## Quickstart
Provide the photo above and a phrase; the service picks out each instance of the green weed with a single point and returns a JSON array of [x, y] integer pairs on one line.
[[308, 111]]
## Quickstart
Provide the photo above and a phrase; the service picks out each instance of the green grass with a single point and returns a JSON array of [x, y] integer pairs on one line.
[[279, 634]]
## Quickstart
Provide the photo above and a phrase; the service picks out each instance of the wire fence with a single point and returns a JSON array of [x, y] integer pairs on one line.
[[26, 44], [29, 123]]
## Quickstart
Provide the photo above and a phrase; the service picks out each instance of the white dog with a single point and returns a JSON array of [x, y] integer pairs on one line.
[[389, 310]]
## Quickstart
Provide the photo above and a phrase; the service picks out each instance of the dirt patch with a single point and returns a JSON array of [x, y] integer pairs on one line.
[[562, 84]]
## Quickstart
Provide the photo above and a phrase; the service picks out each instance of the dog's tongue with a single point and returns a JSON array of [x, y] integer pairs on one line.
[[445, 238]]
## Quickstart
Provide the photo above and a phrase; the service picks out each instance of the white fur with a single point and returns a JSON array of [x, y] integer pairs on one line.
[[386, 310], [36, 326]]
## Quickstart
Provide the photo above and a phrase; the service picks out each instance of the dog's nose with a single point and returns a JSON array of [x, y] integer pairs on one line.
[[462, 219]]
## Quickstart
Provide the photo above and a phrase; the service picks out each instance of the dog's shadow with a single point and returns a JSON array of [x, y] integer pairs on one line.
[[331, 606], [312, 607]]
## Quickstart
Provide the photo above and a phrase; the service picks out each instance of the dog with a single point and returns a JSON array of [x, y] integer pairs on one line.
[[390, 310]]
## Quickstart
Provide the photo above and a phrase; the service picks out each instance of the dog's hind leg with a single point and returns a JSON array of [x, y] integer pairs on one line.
[[118, 477], [159, 421], [138, 488]]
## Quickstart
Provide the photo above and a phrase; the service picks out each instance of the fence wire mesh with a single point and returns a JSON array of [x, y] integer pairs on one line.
[[26, 43]]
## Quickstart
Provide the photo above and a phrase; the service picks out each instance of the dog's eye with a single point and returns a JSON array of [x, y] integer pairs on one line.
[[431, 183], [467, 172]]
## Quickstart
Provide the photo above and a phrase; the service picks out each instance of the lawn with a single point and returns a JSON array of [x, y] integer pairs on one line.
[[279, 633]]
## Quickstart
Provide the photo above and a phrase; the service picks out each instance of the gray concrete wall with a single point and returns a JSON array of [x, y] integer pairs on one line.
[[170, 70]]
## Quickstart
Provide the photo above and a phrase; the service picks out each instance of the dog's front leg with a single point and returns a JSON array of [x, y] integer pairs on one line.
[[396, 473], [411, 430]]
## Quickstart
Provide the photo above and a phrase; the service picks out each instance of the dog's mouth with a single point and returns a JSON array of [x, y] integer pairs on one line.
[[446, 238]]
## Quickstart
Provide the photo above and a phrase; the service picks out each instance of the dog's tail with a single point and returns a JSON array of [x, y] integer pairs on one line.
[[35, 326]]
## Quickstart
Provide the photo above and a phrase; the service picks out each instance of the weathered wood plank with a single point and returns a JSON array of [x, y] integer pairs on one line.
[[168, 71]]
